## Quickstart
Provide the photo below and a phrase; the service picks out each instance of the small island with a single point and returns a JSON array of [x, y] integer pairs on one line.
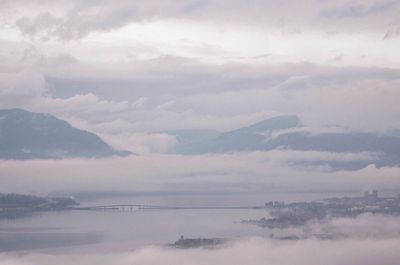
[[185, 243]]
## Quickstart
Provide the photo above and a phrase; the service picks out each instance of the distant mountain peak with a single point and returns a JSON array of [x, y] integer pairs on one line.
[[29, 135], [274, 124]]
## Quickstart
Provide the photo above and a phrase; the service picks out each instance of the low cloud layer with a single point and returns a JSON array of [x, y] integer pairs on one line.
[[249, 251], [265, 172]]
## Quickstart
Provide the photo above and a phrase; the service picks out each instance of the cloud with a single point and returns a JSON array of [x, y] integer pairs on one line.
[[85, 17], [359, 9], [88, 103], [246, 251], [82, 18], [18, 57], [43, 22], [393, 32], [363, 226], [245, 172], [20, 88]]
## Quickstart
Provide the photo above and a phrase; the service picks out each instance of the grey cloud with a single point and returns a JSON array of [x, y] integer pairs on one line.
[[361, 9], [19, 57], [62, 59], [392, 33], [88, 16], [32, 57], [45, 24]]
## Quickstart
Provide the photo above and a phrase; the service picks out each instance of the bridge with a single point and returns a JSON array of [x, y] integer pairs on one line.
[[138, 207]]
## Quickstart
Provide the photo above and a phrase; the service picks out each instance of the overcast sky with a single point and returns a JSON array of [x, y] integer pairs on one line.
[[139, 66]]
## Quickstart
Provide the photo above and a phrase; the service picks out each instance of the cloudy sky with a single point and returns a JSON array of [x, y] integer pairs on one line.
[[130, 70], [118, 67]]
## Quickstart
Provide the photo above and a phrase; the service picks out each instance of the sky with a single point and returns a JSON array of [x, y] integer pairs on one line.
[[118, 67]]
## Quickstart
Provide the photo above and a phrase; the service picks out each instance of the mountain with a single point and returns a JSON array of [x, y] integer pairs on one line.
[[385, 147], [254, 136], [243, 139], [28, 135]]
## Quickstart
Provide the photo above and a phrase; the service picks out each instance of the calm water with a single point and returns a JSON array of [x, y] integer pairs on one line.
[[86, 231]]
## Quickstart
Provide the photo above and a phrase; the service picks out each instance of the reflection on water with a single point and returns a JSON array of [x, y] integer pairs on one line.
[[85, 231], [14, 241]]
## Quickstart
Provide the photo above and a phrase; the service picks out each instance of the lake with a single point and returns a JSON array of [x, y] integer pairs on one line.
[[78, 231]]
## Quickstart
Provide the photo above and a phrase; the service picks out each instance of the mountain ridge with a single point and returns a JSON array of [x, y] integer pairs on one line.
[[259, 137], [30, 135]]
